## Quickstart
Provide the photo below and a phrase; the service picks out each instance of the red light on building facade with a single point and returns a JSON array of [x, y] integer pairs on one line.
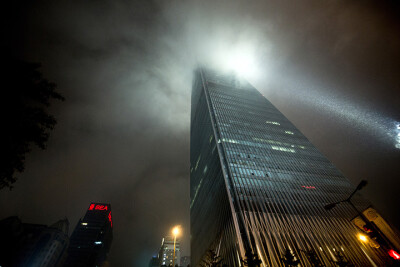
[[308, 186], [109, 218], [101, 207], [98, 207], [394, 254]]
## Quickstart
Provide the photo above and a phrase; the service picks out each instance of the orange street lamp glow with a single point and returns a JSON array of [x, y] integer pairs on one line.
[[175, 232], [363, 238]]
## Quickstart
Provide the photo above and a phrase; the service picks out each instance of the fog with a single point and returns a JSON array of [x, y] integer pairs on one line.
[[125, 69]]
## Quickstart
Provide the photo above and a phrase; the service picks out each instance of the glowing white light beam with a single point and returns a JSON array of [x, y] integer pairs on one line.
[[240, 58], [322, 97]]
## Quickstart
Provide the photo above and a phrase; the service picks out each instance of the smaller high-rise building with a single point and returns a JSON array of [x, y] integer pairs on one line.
[[166, 253], [154, 262], [25, 244], [91, 240], [185, 261]]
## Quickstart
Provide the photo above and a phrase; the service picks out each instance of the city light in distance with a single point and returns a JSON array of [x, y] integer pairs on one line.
[[176, 230], [394, 254]]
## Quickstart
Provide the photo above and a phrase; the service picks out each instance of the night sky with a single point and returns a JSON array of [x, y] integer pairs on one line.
[[125, 69]]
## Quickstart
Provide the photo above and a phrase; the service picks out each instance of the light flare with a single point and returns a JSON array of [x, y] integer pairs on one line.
[[241, 58]]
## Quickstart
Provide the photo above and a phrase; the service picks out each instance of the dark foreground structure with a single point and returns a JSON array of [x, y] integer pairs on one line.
[[259, 187], [26, 244], [91, 240]]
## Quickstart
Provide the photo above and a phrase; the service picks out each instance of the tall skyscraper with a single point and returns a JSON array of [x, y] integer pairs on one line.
[[91, 240], [258, 185]]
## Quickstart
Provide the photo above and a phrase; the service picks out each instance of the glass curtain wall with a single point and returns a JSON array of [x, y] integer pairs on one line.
[[258, 185]]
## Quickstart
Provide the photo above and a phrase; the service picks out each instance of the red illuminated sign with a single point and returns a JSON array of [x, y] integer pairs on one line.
[[98, 207], [109, 218], [308, 187], [394, 254]]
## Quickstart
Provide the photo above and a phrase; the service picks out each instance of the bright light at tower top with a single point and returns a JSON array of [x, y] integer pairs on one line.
[[242, 64]]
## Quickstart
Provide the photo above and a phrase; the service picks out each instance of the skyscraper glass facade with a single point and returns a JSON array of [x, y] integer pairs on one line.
[[257, 183]]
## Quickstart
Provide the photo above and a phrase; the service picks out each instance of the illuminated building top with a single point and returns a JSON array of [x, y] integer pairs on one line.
[[92, 237]]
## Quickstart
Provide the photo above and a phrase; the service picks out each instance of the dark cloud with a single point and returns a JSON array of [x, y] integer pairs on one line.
[[125, 68]]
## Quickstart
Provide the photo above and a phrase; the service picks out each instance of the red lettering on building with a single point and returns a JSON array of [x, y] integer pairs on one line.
[[101, 207]]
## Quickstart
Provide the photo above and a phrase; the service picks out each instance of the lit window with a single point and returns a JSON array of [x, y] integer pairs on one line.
[[84, 223], [273, 122], [229, 141], [283, 149], [289, 132], [197, 162]]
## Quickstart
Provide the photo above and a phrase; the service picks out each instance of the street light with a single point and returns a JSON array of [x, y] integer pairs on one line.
[[361, 185], [369, 224], [175, 232], [363, 238]]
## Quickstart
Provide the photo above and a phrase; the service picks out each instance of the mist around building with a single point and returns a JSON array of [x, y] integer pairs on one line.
[[261, 194]]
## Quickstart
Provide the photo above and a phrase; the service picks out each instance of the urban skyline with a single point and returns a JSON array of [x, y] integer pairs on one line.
[[125, 69]]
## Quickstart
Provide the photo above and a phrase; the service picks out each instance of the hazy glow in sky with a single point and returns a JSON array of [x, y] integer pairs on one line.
[[360, 117], [240, 58], [313, 93]]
